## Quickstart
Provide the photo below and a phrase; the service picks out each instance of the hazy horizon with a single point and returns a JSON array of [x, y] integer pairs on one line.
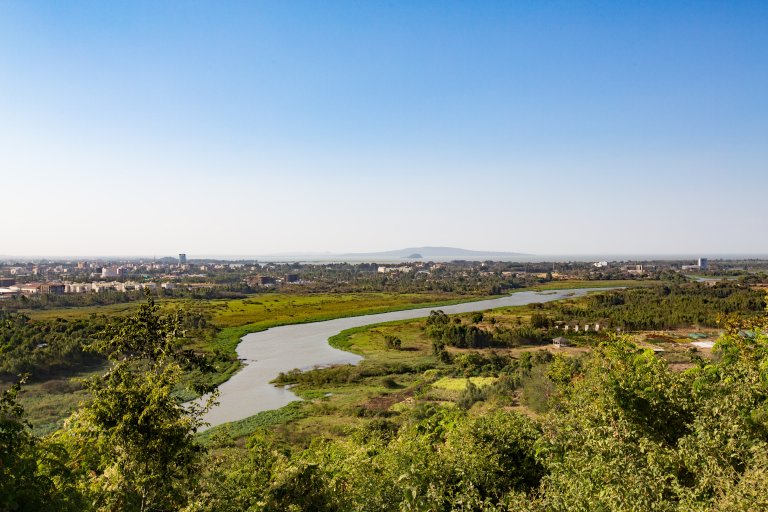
[[281, 127], [327, 257]]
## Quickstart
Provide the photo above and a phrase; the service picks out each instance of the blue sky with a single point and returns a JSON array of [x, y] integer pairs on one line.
[[262, 127]]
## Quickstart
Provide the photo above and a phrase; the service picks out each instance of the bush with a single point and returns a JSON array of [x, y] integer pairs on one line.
[[392, 342]]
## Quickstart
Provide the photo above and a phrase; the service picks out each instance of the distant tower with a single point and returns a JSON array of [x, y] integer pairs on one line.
[[703, 263], [182, 259]]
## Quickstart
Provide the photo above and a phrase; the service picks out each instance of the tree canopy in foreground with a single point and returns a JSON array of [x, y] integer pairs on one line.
[[624, 432]]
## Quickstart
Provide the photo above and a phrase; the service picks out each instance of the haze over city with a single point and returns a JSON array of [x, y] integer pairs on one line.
[[251, 128]]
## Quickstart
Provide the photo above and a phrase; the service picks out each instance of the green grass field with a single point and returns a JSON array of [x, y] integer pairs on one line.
[[459, 384], [48, 403], [578, 283], [81, 313], [264, 311]]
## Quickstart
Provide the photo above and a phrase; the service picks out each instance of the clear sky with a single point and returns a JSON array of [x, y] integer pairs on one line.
[[245, 128]]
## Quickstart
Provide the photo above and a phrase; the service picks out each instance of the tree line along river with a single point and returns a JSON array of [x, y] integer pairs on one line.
[[280, 349]]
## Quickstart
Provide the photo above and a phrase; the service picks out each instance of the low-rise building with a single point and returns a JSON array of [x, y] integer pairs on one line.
[[262, 281], [53, 288], [78, 287], [30, 288], [7, 292]]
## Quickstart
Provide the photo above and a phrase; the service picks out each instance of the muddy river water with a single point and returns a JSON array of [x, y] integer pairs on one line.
[[267, 353]]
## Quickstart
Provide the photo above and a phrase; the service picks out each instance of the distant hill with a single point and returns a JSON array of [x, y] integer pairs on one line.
[[433, 253]]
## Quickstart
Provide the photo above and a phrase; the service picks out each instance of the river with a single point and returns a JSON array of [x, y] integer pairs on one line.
[[267, 353]]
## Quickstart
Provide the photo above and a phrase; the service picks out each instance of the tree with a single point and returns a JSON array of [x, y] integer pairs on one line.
[[392, 342], [33, 475], [133, 444]]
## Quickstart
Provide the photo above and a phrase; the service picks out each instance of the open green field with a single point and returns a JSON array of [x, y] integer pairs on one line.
[[582, 283], [82, 313], [48, 403], [459, 384], [236, 318], [271, 309]]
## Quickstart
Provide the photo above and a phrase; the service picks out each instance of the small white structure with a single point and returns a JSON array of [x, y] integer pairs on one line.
[[560, 342], [109, 272], [576, 328], [597, 327], [78, 287], [586, 328]]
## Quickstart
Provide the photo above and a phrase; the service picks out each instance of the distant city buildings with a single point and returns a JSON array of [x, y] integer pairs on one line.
[[394, 270], [52, 288], [702, 264], [80, 277], [182, 259], [634, 269], [261, 280]]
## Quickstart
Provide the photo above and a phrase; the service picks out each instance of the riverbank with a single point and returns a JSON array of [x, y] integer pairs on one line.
[[304, 346]]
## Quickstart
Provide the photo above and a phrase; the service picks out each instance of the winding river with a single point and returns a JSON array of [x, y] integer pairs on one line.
[[267, 353]]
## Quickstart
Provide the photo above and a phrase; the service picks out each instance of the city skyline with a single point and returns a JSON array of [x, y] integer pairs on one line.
[[257, 128]]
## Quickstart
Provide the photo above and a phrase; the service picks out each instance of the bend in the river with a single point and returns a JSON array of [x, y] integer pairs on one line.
[[267, 353]]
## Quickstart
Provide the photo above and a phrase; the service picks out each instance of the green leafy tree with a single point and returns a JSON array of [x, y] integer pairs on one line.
[[133, 444], [33, 473]]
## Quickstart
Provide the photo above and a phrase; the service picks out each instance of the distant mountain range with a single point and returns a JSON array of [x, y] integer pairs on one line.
[[432, 253]]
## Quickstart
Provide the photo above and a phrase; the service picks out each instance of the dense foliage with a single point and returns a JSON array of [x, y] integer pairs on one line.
[[625, 433], [444, 330], [622, 431], [662, 307], [59, 347], [45, 348]]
